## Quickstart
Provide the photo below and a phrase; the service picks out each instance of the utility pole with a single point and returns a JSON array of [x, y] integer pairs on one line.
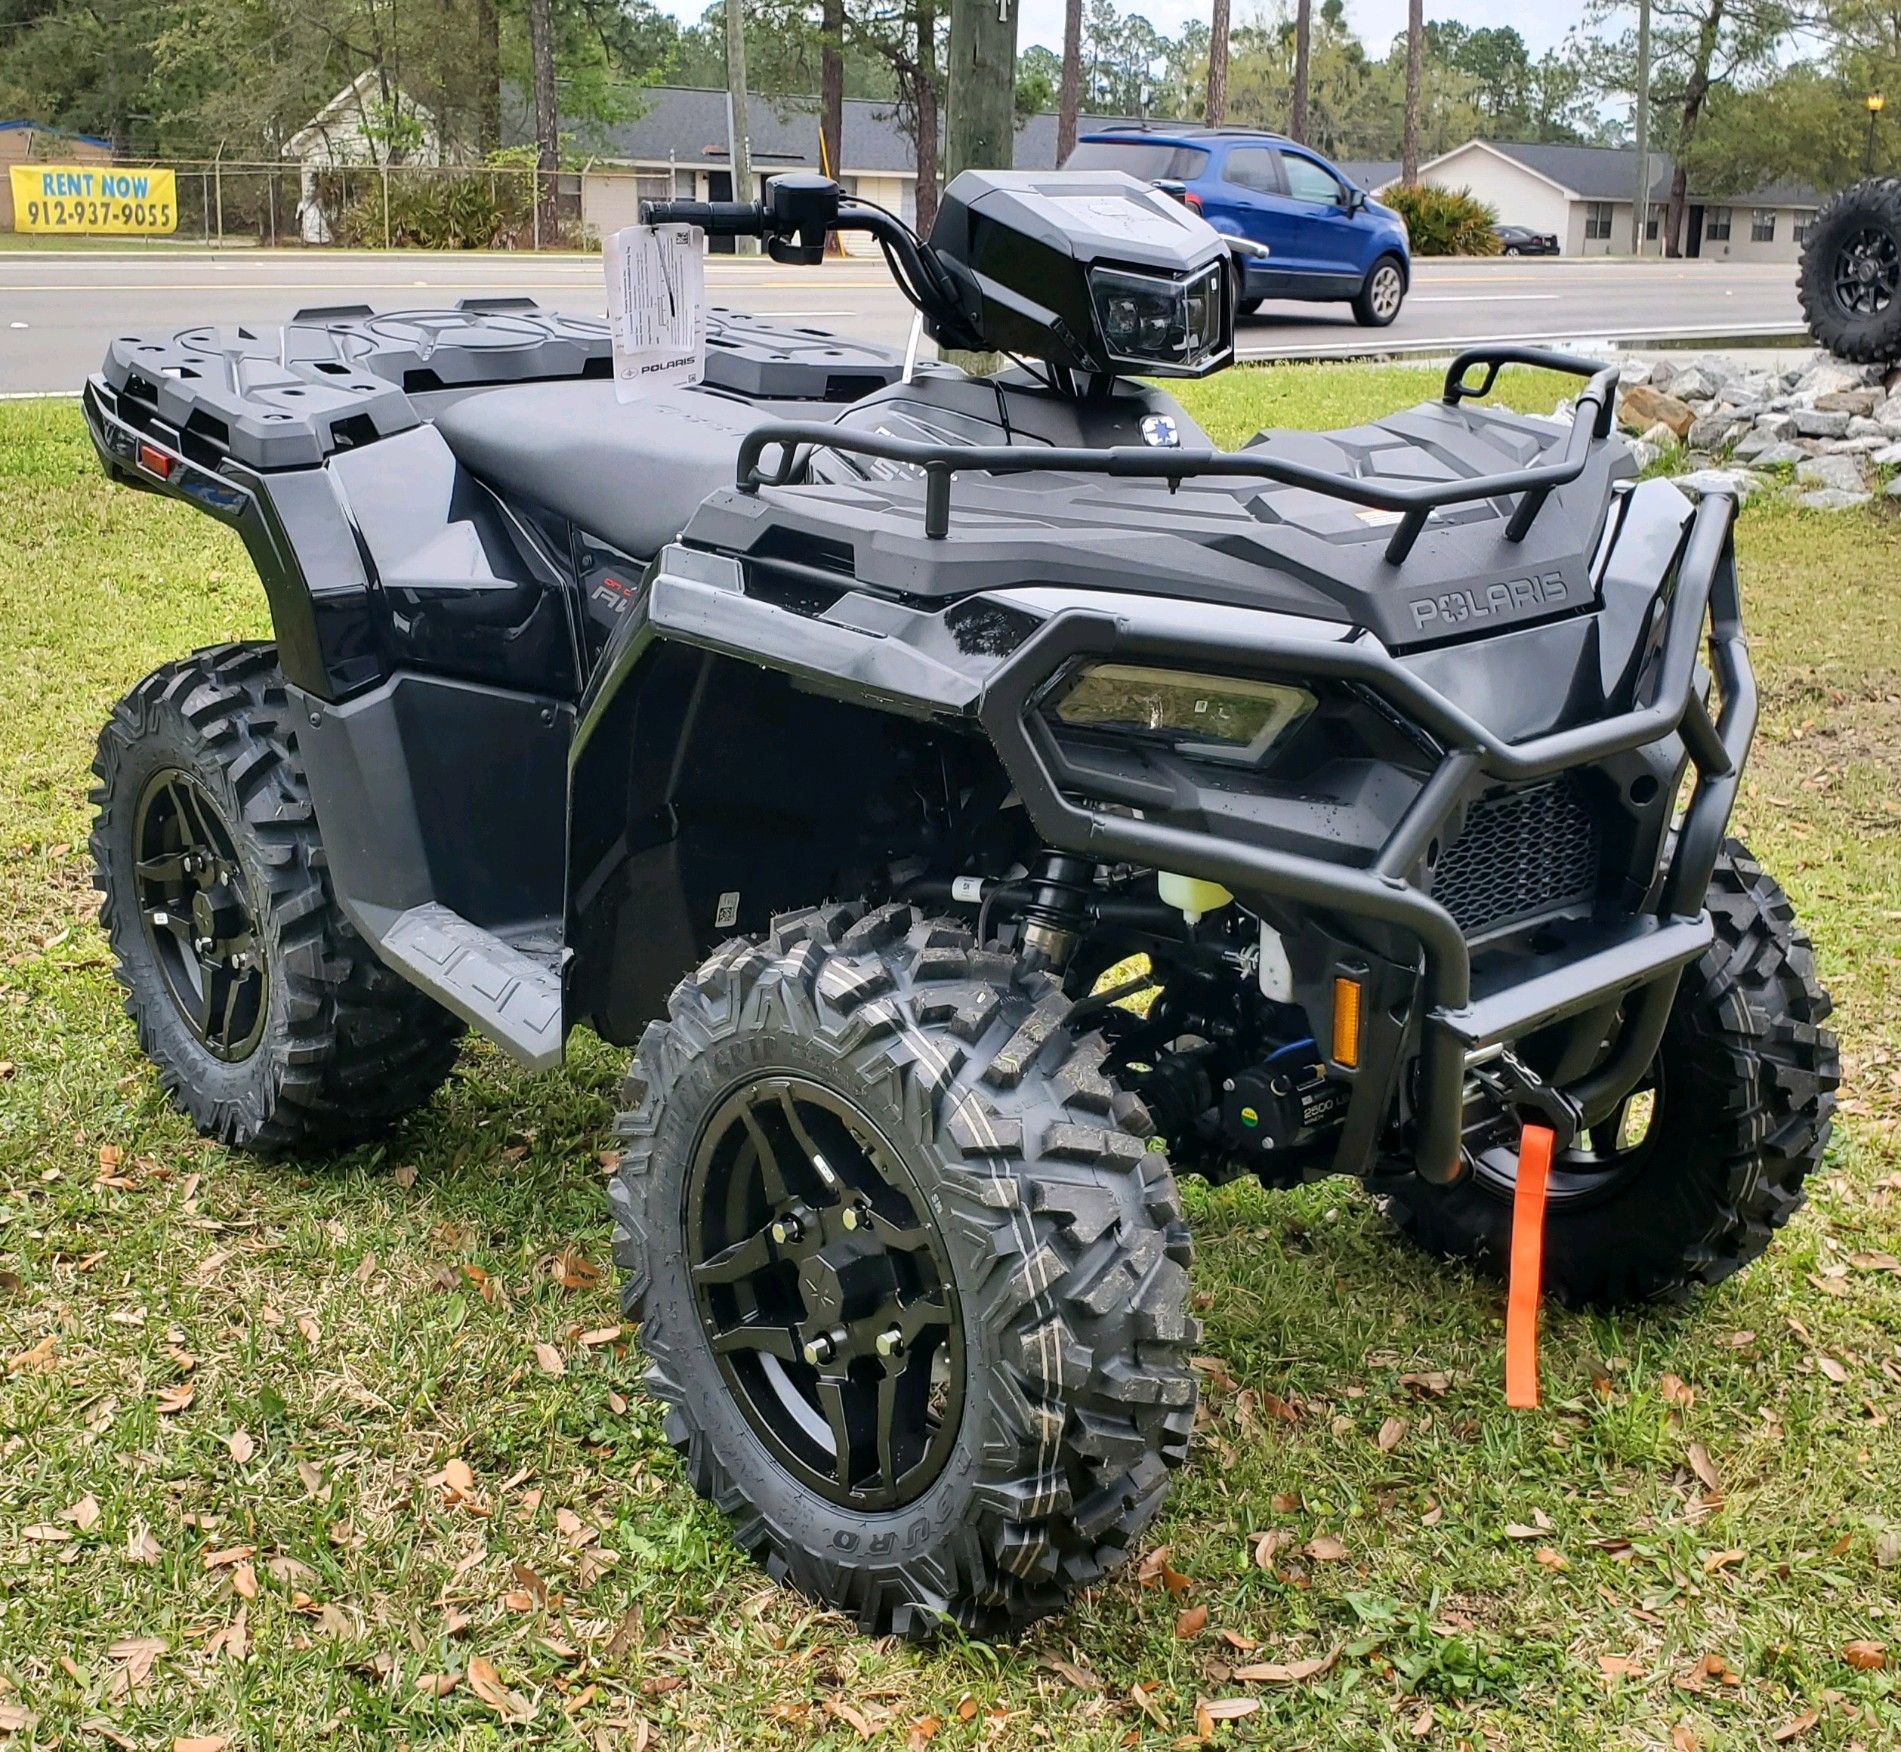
[[739, 143], [1216, 111], [547, 122], [1640, 200], [980, 130], [1299, 123]]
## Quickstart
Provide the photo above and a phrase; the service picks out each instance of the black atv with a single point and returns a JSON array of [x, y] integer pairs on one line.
[[1850, 276], [969, 797]]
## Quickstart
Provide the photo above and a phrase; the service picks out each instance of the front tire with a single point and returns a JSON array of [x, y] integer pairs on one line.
[[1850, 278], [1377, 302], [1010, 1223], [1741, 1102], [270, 1021]]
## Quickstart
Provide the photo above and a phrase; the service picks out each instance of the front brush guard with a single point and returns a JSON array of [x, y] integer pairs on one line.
[[1642, 954]]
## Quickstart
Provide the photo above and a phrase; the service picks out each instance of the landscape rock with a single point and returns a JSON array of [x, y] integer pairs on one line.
[[1713, 431], [1827, 376], [1849, 401], [1841, 473], [1694, 384], [1816, 423], [1782, 454], [1894, 488], [1659, 437], [1721, 480], [1860, 426], [1646, 406], [1832, 499], [1887, 457]]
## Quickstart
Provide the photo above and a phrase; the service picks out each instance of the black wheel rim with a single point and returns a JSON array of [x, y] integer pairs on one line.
[[1601, 1160], [194, 903], [1867, 272], [824, 1290]]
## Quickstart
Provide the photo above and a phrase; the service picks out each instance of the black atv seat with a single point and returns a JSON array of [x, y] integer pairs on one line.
[[631, 473]]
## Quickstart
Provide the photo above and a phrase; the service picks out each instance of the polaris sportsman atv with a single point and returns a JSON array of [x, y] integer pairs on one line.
[[969, 797]]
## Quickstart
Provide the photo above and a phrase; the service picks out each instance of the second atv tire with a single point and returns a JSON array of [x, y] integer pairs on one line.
[[911, 1283], [271, 1022], [1850, 278], [1738, 1109]]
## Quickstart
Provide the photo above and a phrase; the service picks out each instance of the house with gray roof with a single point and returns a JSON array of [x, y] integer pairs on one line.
[[1585, 196], [679, 144]]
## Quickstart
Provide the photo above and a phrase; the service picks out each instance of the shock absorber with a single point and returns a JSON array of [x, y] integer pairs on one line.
[[1057, 912]]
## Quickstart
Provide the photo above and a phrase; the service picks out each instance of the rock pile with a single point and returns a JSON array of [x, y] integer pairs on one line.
[[1832, 430]]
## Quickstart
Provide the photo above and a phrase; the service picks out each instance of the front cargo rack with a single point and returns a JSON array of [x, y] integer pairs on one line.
[[1412, 503]]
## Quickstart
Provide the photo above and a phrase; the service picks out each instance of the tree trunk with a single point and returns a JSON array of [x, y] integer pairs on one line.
[[1216, 110], [1069, 97], [1695, 90], [488, 77], [831, 80], [1415, 53], [929, 121], [1303, 51], [547, 117]]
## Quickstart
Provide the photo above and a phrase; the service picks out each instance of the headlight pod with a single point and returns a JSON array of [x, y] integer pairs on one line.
[[1204, 717], [1159, 325]]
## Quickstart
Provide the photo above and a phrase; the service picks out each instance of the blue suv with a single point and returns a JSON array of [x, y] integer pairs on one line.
[[1327, 241]]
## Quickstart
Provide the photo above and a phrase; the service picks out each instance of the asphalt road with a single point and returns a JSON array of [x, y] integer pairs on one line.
[[58, 309]]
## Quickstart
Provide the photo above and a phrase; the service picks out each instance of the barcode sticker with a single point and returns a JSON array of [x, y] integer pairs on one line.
[[656, 308]]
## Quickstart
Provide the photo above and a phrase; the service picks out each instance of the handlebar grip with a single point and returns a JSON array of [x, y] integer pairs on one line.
[[715, 218]]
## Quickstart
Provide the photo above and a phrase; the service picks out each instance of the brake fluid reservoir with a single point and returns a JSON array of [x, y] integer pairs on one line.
[[1191, 896]]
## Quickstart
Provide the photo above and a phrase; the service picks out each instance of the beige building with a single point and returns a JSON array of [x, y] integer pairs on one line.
[[1584, 196], [27, 143]]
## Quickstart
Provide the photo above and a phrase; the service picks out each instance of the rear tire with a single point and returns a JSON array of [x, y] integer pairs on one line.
[[1378, 301], [1052, 1231], [1747, 1077], [1850, 278], [310, 1040]]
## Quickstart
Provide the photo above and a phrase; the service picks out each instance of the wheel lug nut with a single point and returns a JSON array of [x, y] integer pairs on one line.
[[822, 1348], [856, 1216], [787, 1230], [890, 1342]]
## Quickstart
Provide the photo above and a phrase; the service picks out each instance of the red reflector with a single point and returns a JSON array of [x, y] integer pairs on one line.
[[154, 461], [1190, 198]]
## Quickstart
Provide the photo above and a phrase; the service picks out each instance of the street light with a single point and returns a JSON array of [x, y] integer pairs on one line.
[[1875, 103]]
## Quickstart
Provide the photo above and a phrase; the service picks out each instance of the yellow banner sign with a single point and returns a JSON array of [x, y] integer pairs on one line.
[[93, 198]]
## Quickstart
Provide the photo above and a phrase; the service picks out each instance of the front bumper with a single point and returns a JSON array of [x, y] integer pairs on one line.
[[1635, 960]]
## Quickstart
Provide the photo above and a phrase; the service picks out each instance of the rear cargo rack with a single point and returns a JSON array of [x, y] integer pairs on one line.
[[1413, 503]]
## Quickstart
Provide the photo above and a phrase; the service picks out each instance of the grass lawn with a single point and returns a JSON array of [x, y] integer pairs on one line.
[[235, 1387]]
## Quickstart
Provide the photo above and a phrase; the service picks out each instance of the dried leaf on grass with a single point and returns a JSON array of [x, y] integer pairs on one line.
[[487, 1684], [1870, 1657], [1290, 1672]]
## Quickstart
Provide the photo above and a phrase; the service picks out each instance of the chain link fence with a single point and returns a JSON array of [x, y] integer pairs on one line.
[[406, 206]]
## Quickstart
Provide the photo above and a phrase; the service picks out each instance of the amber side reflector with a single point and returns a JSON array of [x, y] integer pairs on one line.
[[1346, 1022], [154, 461]]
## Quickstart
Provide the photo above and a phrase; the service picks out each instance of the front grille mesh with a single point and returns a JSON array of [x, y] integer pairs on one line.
[[1521, 854]]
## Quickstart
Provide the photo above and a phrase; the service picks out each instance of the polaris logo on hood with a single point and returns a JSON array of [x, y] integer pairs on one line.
[[1510, 598]]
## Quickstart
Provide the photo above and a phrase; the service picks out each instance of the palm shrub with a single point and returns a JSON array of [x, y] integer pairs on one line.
[[1444, 222]]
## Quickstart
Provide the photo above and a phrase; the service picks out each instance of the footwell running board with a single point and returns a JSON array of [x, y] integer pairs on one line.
[[512, 998]]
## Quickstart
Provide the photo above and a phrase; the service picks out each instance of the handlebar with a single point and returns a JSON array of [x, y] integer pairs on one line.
[[715, 218], [795, 216]]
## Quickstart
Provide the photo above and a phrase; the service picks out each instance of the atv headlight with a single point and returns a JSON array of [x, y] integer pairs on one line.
[[1157, 324], [1209, 717]]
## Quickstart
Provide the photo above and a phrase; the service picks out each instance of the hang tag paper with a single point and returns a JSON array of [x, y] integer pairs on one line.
[[656, 308]]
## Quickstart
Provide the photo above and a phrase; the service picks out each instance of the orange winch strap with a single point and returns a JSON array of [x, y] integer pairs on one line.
[[1535, 1145]]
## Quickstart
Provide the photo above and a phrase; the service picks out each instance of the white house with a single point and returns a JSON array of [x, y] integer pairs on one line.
[[1584, 195], [364, 124]]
